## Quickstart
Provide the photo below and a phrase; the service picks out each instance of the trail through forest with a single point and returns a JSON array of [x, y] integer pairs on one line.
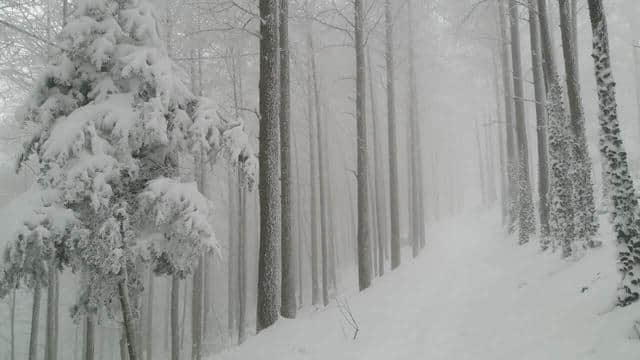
[[472, 294]]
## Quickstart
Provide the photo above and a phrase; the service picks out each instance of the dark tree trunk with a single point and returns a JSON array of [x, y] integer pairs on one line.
[[268, 304], [364, 242], [526, 220], [196, 311], [288, 290], [394, 210], [507, 84], [541, 118], [128, 322], [89, 337]]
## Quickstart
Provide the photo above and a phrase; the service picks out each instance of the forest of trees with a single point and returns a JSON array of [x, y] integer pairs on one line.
[[189, 172]]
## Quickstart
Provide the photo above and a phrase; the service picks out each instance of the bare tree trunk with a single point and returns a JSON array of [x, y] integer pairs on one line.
[[175, 317], [322, 188], [242, 278], [394, 209], [35, 323], [128, 322], [313, 177], [90, 331], [288, 306], [12, 324], [123, 346], [196, 311], [541, 118], [526, 220], [481, 167], [150, 298], [269, 184], [379, 186], [507, 85], [364, 241], [51, 329]]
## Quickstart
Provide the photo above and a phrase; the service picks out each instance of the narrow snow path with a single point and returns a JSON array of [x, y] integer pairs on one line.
[[472, 294]]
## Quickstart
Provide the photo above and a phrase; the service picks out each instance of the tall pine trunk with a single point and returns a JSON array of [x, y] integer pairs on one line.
[[242, 277], [526, 219], [313, 176], [364, 241], [175, 317], [625, 215], [507, 85], [35, 323], [127, 317], [541, 118], [394, 209], [89, 337], [149, 324], [288, 290], [268, 304]]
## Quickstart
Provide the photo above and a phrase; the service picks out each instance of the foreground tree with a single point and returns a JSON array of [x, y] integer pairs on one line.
[[364, 242], [111, 115], [288, 290], [526, 216], [269, 184], [585, 220], [626, 218]]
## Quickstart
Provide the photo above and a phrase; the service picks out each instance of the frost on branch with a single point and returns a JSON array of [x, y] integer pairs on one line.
[[174, 217]]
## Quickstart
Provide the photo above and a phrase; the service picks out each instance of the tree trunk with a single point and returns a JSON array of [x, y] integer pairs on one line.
[[526, 217], [90, 339], [288, 306], [364, 241], [394, 210], [379, 186], [269, 185], [541, 118], [175, 317], [35, 323], [242, 278], [51, 329], [12, 324], [625, 214], [322, 188], [150, 298], [585, 218], [507, 84], [481, 167], [196, 311], [313, 176], [128, 322]]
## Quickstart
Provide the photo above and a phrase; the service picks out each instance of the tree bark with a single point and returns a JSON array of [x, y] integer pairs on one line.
[[242, 277], [364, 241], [379, 186], [12, 324], [150, 300], [288, 306], [268, 303], [625, 214], [313, 176], [585, 218], [507, 85], [90, 332], [35, 323], [394, 210], [541, 118], [51, 329], [196, 311], [128, 322], [175, 317], [526, 219]]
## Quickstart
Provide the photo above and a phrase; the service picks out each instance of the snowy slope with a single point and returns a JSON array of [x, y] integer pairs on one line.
[[471, 295]]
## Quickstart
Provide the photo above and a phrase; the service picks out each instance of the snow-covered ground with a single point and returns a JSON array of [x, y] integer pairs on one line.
[[472, 294]]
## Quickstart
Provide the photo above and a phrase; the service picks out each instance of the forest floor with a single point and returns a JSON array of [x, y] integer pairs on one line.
[[472, 294]]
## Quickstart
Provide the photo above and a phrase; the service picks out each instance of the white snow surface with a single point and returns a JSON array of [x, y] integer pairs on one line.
[[472, 294]]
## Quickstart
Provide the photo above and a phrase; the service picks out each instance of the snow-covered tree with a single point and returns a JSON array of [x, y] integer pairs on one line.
[[110, 120], [626, 216]]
